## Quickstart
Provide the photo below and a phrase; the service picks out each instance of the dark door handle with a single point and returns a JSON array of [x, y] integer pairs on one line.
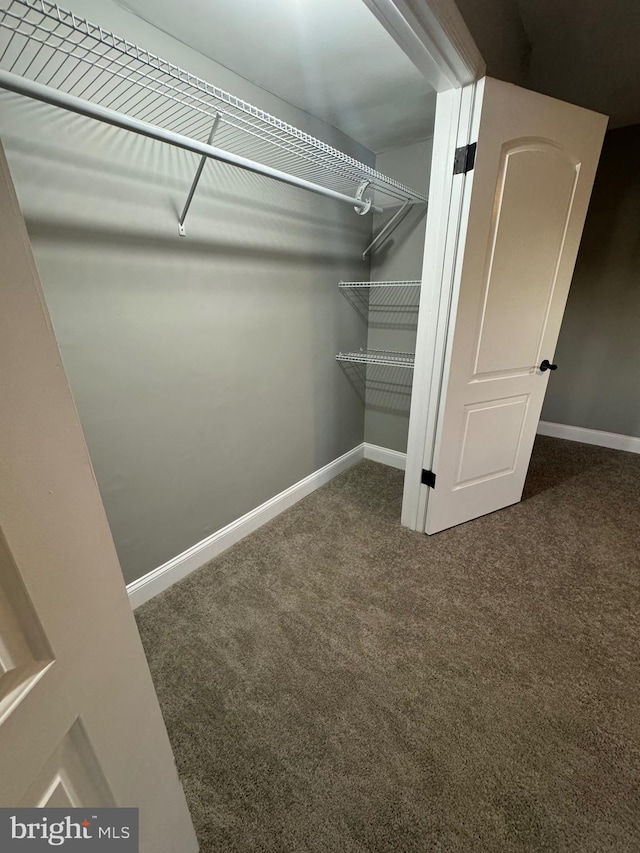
[[546, 365]]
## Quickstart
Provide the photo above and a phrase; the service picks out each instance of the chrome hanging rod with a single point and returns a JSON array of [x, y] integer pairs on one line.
[[49, 95]]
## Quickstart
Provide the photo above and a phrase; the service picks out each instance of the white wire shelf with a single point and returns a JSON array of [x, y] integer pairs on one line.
[[392, 304], [45, 44], [353, 284], [390, 358]]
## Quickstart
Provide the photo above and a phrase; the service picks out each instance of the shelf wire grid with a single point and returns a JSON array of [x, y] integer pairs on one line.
[[353, 284], [44, 43], [390, 358]]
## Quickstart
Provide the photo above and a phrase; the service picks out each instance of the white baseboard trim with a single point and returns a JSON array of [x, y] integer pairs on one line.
[[590, 436], [157, 580], [394, 458]]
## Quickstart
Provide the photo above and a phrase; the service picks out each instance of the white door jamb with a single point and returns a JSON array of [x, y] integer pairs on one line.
[[435, 37], [454, 128]]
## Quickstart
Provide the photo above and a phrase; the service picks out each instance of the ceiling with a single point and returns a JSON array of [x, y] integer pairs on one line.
[[331, 58]]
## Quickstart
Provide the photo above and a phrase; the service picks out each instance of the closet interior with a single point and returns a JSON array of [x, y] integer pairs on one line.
[[233, 279]]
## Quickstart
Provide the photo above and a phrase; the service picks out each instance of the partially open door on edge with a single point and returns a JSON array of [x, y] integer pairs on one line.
[[80, 724], [526, 202]]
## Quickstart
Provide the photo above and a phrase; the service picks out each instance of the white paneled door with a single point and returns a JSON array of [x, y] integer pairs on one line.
[[525, 204], [80, 723]]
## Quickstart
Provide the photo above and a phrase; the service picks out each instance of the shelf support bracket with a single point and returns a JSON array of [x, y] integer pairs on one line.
[[196, 178], [364, 186], [387, 229]]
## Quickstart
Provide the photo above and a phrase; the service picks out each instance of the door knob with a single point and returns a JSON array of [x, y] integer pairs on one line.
[[546, 365]]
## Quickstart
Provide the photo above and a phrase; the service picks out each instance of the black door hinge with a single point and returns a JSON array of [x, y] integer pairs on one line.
[[465, 159], [428, 479]]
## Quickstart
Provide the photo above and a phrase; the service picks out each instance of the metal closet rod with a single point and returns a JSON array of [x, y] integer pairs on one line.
[[40, 92]]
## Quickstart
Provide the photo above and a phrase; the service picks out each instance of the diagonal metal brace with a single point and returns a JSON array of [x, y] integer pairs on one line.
[[389, 228], [196, 178]]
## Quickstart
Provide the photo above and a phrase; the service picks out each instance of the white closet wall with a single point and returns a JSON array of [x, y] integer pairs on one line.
[[203, 368], [393, 312]]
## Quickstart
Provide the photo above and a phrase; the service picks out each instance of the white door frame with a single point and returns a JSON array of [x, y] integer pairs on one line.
[[436, 39], [438, 294]]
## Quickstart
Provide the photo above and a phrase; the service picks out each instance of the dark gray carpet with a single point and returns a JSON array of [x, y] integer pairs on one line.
[[337, 683]]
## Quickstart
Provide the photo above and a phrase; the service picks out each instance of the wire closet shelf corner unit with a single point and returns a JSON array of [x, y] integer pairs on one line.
[[55, 56]]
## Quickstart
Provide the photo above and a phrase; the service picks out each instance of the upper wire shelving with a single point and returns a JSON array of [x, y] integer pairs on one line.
[[43, 43]]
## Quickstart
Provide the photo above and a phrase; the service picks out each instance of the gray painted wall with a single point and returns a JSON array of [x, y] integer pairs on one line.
[[597, 384], [393, 314], [203, 367], [584, 52], [498, 31]]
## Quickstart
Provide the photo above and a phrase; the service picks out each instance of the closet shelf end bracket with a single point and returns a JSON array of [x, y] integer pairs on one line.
[[364, 186]]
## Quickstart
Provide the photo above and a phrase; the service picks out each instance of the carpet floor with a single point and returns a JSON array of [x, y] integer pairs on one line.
[[335, 682]]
